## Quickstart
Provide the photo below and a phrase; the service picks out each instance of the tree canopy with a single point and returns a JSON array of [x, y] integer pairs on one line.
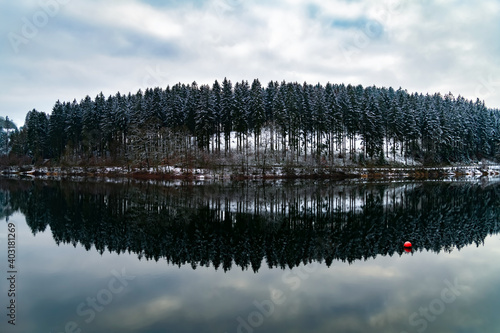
[[281, 122]]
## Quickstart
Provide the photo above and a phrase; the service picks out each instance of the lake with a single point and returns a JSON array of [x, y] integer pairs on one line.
[[277, 256]]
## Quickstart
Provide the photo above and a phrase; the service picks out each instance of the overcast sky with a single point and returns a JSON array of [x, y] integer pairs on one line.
[[67, 49]]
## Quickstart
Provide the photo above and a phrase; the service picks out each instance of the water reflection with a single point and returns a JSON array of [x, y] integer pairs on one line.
[[248, 225]]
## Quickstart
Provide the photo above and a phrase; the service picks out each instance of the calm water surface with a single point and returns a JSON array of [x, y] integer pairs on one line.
[[252, 257]]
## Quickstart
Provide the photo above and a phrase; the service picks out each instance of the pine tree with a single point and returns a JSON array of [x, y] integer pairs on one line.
[[204, 118], [257, 113], [6, 128], [57, 126], [91, 123], [73, 130], [227, 106], [240, 111], [307, 115], [37, 138], [371, 127], [217, 109], [319, 119]]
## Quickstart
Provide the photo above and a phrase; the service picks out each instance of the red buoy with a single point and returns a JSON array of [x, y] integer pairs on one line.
[[407, 244]]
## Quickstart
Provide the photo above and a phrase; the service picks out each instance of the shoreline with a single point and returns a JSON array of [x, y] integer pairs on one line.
[[255, 173]]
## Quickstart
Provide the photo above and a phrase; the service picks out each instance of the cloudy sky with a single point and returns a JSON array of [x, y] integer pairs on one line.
[[67, 49]]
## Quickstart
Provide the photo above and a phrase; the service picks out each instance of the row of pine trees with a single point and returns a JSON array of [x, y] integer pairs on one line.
[[283, 122]]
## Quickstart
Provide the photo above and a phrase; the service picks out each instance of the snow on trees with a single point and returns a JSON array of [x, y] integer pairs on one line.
[[283, 123]]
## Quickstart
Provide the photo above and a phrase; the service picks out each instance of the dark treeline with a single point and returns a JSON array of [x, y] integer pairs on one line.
[[7, 128], [283, 122], [248, 225]]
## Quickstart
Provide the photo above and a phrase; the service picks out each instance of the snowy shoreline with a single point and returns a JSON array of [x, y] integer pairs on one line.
[[253, 172]]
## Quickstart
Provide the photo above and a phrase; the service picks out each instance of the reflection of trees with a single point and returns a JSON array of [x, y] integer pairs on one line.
[[242, 225], [5, 208]]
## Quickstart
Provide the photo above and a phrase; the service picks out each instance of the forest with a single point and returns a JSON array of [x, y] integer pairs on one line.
[[281, 123]]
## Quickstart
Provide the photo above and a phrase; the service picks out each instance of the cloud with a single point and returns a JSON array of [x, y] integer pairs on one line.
[[89, 46]]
